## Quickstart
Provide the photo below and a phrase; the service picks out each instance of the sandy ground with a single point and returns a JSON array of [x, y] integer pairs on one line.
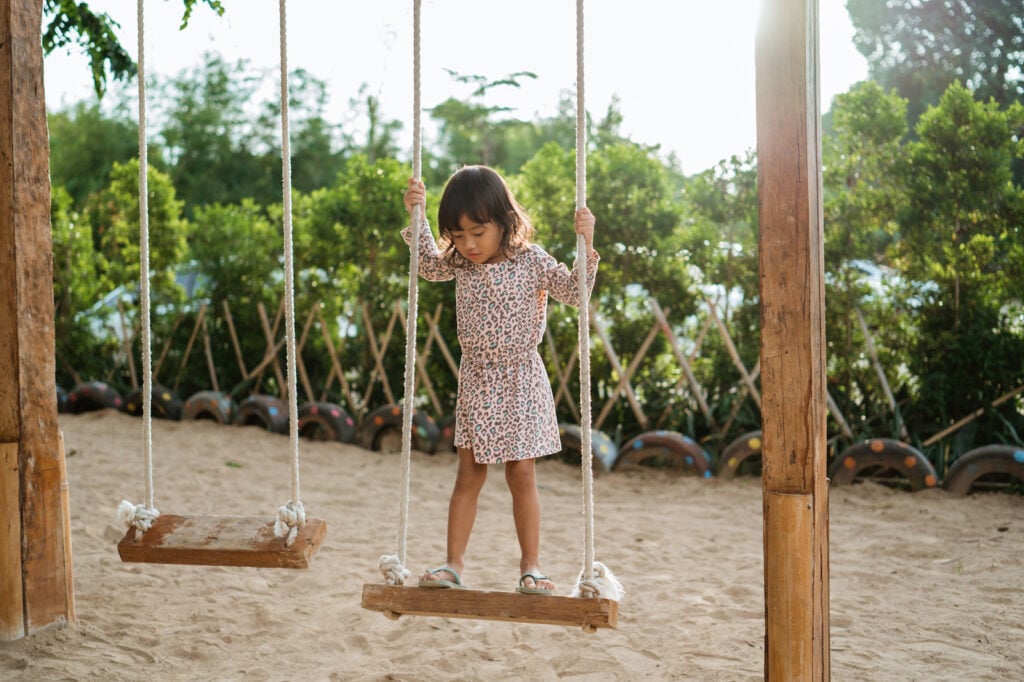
[[924, 586]]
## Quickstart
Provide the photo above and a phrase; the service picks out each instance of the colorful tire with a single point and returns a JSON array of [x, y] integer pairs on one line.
[[885, 459], [93, 395], [267, 411], [326, 422], [381, 430], [738, 453], [602, 447], [664, 449], [209, 405], [990, 467], [163, 405], [447, 441]]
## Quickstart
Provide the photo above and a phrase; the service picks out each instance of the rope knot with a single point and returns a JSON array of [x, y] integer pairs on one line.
[[290, 518], [394, 572], [601, 583], [137, 516]]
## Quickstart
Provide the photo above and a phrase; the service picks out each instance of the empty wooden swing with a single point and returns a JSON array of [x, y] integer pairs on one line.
[[290, 539], [595, 601]]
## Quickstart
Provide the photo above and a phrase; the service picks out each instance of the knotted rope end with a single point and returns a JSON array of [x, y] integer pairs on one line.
[[600, 584], [290, 518], [393, 570], [137, 516]]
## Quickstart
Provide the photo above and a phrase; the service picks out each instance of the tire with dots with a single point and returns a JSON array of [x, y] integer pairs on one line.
[[326, 422], [267, 411], [666, 449], [883, 456], [213, 405], [602, 447], [381, 430], [739, 452], [988, 468], [163, 405], [447, 441], [93, 395]]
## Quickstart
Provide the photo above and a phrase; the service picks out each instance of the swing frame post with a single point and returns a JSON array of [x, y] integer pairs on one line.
[[792, 291], [36, 588]]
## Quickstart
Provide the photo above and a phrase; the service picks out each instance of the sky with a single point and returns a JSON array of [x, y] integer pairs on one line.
[[682, 70]]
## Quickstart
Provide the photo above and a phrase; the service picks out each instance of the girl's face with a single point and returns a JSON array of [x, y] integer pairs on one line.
[[479, 242]]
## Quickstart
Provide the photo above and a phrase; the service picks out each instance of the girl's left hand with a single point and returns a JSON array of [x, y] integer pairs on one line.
[[584, 224]]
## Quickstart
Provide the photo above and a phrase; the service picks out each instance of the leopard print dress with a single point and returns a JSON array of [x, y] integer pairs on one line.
[[505, 409]]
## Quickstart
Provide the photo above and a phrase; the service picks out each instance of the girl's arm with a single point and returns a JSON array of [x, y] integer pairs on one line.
[[433, 266], [562, 283]]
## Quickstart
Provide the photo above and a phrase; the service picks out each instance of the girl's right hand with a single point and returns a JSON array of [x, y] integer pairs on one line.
[[416, 195]]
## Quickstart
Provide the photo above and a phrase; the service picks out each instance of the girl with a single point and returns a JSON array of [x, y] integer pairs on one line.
[[505, 410]]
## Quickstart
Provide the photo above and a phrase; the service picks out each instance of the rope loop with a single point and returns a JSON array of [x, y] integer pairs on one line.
[[601, 584], [290, 518], [137, 516], [393, 570]]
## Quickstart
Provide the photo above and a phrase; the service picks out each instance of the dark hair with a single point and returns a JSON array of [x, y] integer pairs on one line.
[[482, 195]]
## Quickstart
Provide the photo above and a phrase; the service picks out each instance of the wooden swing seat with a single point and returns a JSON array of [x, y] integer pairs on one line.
[[221, 541], [406, 600]]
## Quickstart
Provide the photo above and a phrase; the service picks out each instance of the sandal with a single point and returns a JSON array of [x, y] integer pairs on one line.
[[532, 590], [447, 584]]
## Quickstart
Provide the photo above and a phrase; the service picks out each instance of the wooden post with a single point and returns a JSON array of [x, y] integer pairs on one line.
[[793, 390], [35, 566]]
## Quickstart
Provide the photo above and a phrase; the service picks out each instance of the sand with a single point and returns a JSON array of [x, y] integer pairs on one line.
[[924, 586]]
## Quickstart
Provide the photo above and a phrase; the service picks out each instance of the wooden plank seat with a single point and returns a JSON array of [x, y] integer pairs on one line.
[[221, 541], [406, 600]]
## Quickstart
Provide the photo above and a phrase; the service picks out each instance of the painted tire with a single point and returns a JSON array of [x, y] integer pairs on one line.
[[668, 449], [447, 441], [976, 467], [209, 405], [602, 447], [164, 404], [883, 455], [62, 399], [381, 430], [92, 396], [326, 422], [267, 411], [739, 452]]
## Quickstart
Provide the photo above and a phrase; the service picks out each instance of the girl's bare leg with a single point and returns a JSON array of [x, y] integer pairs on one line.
[[469, 481], [521, 477]]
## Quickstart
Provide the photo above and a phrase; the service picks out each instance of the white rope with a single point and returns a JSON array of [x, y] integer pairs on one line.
[[291, 516], [595, 578], [142, 516], [392, 566]]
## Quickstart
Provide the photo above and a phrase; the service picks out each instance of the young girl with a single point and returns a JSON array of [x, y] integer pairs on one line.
[[505, 410]]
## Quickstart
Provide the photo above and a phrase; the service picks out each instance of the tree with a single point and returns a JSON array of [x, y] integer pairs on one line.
[[84, 145], [95, 34], [920, 47]]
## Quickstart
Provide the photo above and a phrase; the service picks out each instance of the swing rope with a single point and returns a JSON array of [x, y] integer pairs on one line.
[[393, 565], [595, 580], [290, 516], [142, 516]]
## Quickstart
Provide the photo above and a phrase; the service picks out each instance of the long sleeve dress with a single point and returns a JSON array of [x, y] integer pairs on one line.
[[505, 409]]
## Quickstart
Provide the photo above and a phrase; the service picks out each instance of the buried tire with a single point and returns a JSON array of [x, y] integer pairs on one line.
[[884, 460], [326, 422], [267, 411], [666, 449], [739, 456], [381, 430], [93, 395], [164, 404], [988, 468], [209, 405], [602, 447]]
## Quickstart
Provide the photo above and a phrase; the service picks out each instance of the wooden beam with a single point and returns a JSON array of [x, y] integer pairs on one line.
[[28, 395], [12, 619], [403, 600], [792, 294], [221, 541]]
